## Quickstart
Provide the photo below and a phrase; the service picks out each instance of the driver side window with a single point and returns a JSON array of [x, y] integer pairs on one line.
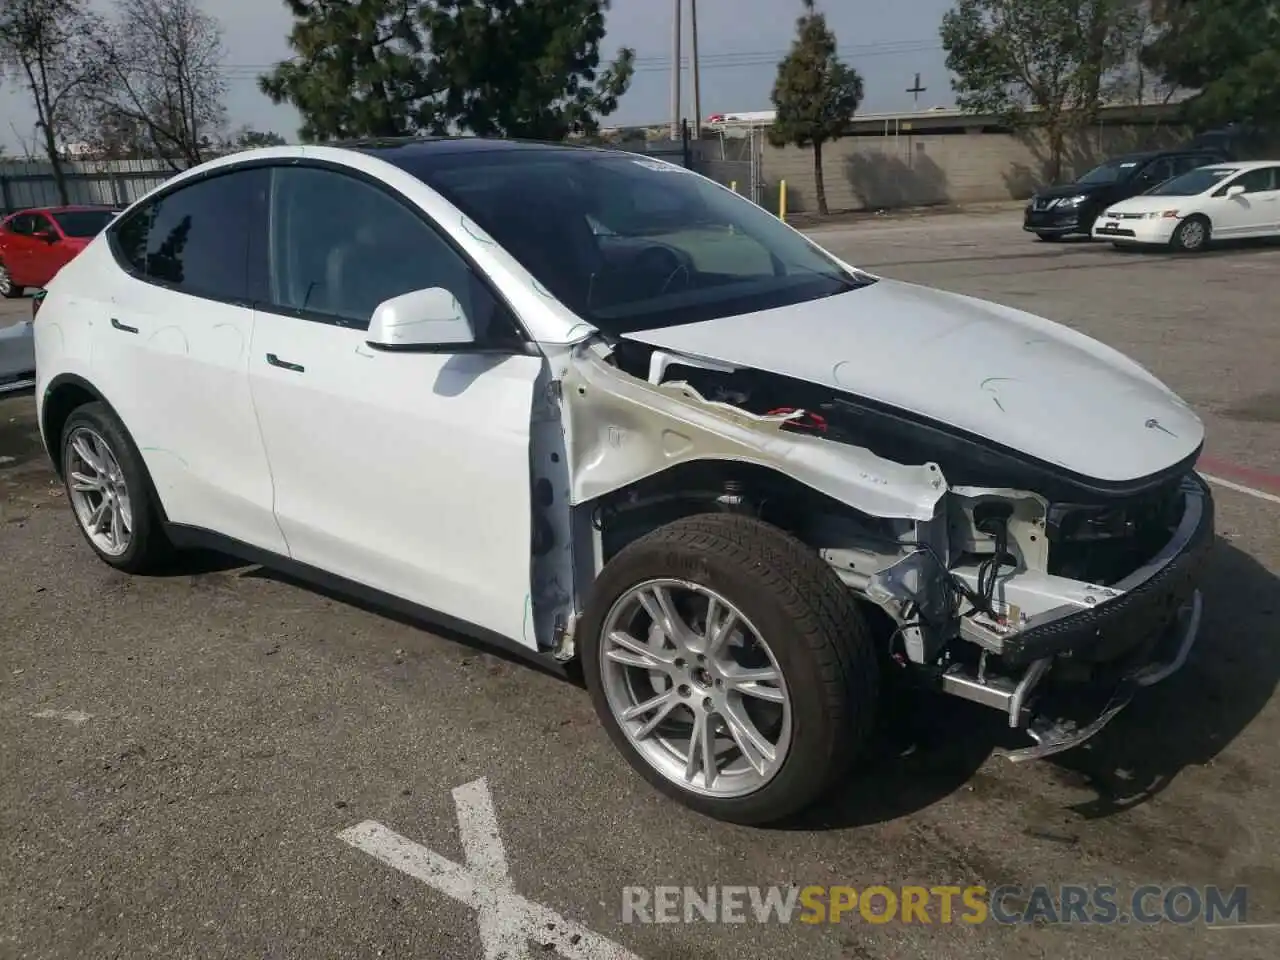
[[338, 246], [1158, 171], [1253, 181]]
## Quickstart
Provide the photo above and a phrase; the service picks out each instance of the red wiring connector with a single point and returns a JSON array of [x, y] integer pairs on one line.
[[806, 420]]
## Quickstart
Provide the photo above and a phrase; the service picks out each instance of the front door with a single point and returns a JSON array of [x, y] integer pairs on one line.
[[17, 247], [49, 252], [1252, 213], [404, 472], [171, 354]]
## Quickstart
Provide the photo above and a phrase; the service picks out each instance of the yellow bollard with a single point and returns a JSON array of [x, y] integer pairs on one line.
[[733, 185], [782, 201]]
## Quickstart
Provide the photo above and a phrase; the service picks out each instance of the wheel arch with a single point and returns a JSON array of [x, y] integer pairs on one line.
[[67, 393], [714, 486]]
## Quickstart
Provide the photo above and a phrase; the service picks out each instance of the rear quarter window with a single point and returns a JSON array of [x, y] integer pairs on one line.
[[195, 238]]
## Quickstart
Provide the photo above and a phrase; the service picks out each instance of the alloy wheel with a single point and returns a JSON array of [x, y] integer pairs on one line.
[[98, 492], [695, 688], [6, 283], [1192, 235]]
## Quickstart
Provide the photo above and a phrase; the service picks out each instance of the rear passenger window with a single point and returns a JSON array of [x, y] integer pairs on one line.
[[195, 239]]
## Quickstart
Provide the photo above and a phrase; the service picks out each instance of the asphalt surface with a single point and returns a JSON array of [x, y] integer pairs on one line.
[[178, 754]]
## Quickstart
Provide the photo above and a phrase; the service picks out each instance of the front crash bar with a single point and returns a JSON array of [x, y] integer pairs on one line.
[[1055, 736]]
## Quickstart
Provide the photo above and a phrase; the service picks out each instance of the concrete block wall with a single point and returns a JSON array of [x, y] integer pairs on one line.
[[922, 169]]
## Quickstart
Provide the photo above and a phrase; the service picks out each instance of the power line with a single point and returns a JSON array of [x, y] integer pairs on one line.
[[651, 63]]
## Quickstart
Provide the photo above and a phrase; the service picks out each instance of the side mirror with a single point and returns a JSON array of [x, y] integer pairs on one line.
[[48, 236], [1235, 190], [420, 320]]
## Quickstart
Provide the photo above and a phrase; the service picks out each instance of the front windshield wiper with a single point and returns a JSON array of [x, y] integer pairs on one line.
[[841, 276]]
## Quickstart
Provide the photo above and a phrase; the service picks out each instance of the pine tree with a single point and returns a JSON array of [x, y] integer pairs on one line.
[[815, 94], [385, 68]]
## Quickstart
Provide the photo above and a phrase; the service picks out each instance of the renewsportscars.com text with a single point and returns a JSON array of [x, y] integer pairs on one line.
[[1065, 904]]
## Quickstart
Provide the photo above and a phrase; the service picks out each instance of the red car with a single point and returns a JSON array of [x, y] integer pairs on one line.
[[36, 243]]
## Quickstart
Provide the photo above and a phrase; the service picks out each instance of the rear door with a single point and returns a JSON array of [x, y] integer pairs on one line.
[[173, 355]]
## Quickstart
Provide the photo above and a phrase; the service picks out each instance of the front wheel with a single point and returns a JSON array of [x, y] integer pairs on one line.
[[1192, 234], [730, 666]]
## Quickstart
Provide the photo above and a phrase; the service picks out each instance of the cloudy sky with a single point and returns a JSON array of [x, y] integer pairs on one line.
[[740, 42]]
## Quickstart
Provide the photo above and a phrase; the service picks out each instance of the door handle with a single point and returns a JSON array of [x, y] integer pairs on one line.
[[284, 364], [123, 326]]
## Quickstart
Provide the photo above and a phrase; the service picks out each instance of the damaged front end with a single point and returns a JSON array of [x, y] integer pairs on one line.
[[998, 579]]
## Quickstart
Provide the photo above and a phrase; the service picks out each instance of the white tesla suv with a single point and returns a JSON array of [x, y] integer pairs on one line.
[[601, 410]]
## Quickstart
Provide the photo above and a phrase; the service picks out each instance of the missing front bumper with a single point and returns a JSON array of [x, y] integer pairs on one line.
[[1068, 673], [1054, 734]]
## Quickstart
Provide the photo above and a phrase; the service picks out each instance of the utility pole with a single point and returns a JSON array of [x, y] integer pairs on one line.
[[676, 17], [915, 90], [697, 87]]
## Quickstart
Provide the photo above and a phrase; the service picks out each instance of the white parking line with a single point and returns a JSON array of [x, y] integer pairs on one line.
[[508, 922], [1241, 488], [74, 717]]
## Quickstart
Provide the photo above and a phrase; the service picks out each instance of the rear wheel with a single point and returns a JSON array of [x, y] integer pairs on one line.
[[8, 289], [110, 492], [1192, 235], [730, 666]]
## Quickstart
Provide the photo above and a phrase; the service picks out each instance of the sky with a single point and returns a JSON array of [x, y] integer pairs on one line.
[[740, 42]]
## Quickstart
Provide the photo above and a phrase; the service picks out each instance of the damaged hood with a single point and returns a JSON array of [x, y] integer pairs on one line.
[[1018, 380]]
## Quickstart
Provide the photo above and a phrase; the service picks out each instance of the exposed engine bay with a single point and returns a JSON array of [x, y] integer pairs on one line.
[[1092, 534]]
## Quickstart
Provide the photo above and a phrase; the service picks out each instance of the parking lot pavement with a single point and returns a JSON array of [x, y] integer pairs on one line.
[[180, 754], [11, 311]]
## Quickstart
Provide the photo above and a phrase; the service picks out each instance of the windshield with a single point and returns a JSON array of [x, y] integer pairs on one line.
[[83, 223], [1113, 171], [1192, 183], [629, 243]]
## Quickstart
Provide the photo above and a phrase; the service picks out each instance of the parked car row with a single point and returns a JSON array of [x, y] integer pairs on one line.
[[1180, 199]]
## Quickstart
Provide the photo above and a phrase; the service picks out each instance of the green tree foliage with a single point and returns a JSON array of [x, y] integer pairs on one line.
[[1053, 57], [526, 68], [815, 95], [1226, 50], [359, 69], [247, 138]]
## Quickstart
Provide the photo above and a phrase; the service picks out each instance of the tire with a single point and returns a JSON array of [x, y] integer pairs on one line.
[[8, 289], [125, 482], [1192, 235], [816, 639]]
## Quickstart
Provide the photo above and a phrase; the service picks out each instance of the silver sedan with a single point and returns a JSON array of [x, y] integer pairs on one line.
[[17, 357]]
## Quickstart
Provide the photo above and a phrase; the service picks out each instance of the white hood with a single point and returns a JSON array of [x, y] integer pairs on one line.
[[1017, 379], [1144, 204]]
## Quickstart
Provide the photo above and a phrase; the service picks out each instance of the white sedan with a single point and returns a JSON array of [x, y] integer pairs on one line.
[[597, 409], [1218, 202]]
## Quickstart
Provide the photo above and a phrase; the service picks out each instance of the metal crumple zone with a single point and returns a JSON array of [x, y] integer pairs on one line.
[[508, 922]]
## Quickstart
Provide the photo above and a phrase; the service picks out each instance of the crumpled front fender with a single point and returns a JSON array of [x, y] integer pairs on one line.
[[620, 429]]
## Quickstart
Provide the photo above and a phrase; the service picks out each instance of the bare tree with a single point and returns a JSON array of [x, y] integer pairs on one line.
[[162, 77], [46, 45]]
